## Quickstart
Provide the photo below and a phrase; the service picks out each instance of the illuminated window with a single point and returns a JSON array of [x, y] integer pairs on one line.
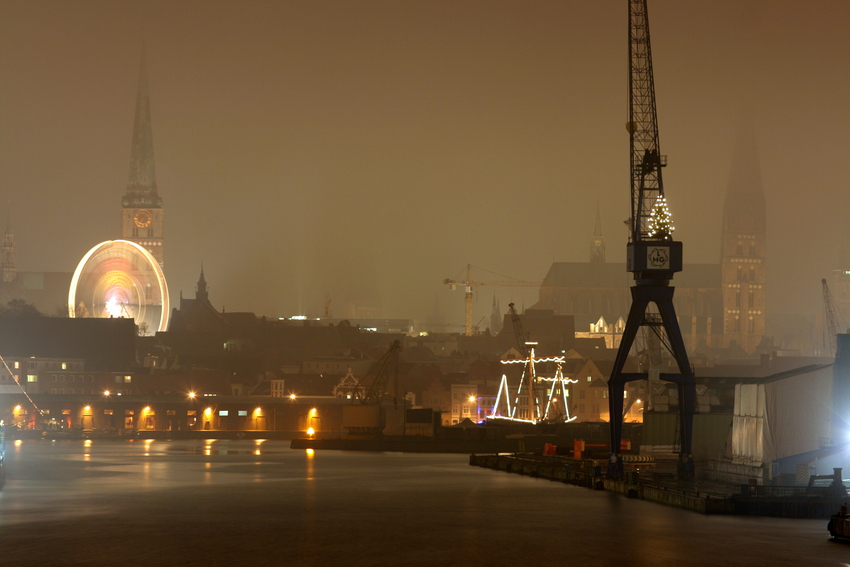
[[223, 413], [128, 379], [192, 412], [64, 366], [243, 413], [66, 412], [107, 412], [129, 412], [17, 364], [32, 377], [590, 378]]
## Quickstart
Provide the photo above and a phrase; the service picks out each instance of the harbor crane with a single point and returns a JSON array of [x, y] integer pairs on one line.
[[469, 283], [651, 253], [385, 369], [521, 336]]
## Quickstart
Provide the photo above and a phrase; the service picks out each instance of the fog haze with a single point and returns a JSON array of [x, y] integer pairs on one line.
[[365, 151]]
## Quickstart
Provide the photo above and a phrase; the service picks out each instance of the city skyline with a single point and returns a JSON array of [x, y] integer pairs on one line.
[[371, 150]]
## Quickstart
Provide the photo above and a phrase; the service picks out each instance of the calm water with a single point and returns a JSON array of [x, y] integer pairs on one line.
[[251, 503]]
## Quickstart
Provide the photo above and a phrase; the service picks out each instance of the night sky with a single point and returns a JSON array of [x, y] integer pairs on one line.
[[367, 150]]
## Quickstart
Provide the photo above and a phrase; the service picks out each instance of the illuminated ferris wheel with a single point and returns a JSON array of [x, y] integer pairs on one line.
[[118, 278]]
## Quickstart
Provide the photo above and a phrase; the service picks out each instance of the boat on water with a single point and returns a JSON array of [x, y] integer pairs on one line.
[[839, 525]]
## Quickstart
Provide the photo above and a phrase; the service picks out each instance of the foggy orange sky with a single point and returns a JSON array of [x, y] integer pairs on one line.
[[368, 150]]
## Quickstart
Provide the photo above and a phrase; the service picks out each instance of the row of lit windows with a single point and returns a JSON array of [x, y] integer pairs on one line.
[[33, 364]]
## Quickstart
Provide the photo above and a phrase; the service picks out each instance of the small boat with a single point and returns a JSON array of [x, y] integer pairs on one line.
[[839, 524]]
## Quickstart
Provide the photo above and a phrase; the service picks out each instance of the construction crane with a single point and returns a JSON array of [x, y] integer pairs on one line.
[[651, 254], [831, 315], [469, 283]]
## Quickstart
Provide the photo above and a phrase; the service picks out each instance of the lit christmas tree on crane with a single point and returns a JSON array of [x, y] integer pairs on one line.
[[660, 224]]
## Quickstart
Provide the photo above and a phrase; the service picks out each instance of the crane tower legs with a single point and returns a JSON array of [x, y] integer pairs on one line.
[[662, 296]]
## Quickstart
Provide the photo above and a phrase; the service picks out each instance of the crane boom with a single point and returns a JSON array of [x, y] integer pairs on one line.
[[387, 367], [521, 337], [646, 158]]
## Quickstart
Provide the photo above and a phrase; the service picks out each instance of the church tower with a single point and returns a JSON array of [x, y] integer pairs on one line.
[[141, 206], [743, 249]]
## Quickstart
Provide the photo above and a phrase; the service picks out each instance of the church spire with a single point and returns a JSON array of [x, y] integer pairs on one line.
[[141, 187], [496, 319], [201, 293], [597, 245]]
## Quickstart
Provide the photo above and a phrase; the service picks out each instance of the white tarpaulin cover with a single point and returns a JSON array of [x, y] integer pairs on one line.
[[781, 416]]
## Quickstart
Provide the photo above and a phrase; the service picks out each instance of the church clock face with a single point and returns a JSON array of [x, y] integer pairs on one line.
[[143, 218]]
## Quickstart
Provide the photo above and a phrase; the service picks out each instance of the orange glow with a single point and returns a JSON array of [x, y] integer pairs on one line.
[[106, 392], [208, 411], [17, 408], [291, 396], [313, 412], [192, 395], [311, 431], [310, 452]]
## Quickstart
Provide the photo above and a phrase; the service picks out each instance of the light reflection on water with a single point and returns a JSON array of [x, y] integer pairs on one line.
[[353, 508]]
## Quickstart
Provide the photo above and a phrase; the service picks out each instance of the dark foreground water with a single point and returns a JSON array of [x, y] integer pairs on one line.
[[260, 503]]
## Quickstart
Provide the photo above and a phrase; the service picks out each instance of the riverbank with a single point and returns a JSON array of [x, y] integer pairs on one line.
[[696, 495]]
